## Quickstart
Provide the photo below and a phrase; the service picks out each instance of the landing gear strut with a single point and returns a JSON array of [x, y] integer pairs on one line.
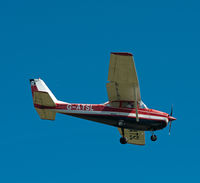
[[122, 139]]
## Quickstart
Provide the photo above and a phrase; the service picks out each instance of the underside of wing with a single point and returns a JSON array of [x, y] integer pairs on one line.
[[123, 85], [133, 136]]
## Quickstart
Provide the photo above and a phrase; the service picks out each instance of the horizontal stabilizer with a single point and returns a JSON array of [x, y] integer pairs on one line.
[[46, 114]]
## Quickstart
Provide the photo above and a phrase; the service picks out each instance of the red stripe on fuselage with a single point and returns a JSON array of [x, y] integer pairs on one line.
[[99, 107], [90, 114]]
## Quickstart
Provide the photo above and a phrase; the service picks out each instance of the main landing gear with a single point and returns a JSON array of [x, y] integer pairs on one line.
[[122, 139]]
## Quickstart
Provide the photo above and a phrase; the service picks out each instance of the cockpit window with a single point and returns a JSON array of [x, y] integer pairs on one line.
[[112, 104], [107, 104], [125, 104], [142, 105], [115, 104]]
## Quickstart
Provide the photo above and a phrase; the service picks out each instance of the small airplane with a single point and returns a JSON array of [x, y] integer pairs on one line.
[[124, 110]]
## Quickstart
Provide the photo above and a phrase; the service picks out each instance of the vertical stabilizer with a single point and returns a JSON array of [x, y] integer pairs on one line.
[[43, 99], [38, 85]]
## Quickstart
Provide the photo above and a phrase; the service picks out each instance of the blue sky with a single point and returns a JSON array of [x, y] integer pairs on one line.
[[68, 45]]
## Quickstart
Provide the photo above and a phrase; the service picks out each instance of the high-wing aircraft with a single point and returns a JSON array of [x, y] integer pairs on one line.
[[124, 110]]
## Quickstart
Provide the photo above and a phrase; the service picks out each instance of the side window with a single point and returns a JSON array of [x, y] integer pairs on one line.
[[115, 104], [128, 104]]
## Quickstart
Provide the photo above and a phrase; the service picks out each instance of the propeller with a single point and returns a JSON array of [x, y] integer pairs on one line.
[[171, 110], [170, 121]]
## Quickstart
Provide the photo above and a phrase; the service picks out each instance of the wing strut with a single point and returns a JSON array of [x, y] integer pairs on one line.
[[136, 106]]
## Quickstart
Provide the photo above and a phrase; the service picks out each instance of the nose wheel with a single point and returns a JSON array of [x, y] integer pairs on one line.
[[153, 137]]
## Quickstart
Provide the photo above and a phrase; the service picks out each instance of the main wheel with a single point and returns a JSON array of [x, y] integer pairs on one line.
[[123, 140], [153, 137]]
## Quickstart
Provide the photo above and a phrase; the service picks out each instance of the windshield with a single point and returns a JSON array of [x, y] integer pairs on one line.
[[142, 105]]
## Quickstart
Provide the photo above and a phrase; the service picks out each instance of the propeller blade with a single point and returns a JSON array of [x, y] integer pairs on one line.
[[171, 110], [170, 124]]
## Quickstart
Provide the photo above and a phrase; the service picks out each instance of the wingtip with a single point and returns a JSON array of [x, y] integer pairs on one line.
[[31, 80], [122, 53]]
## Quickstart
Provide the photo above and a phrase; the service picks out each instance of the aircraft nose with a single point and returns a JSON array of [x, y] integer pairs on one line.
[[171, 118]]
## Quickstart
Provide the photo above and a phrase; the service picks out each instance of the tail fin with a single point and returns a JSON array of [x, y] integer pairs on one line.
[[43, 99]]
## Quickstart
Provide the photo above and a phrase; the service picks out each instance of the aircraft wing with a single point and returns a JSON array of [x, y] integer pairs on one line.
[[123, 85], [134, 136]]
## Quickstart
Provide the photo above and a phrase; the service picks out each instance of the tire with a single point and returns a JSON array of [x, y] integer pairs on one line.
[[153, 137], [123, 140]]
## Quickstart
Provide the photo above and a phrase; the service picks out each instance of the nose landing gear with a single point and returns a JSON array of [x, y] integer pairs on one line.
[[153, 137]]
